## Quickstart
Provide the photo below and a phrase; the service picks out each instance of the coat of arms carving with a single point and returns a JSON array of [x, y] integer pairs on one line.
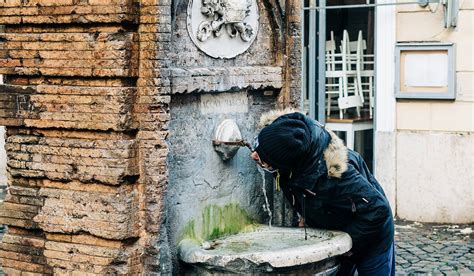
[[223, 28], [228, 15]]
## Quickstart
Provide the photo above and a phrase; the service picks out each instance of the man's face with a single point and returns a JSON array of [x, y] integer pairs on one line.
[[262, 164]]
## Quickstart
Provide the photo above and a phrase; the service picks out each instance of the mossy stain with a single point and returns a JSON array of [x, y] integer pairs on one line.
[[218, 221]]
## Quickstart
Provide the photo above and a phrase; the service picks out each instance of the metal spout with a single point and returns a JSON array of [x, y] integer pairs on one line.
[[228, 139]]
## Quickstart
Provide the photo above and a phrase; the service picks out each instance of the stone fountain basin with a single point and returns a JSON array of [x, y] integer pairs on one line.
[[268, 248]]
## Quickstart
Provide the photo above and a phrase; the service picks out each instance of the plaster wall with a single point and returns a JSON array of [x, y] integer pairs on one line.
[[197, 176], [385, 165], [434, 157], [435, 176], [440, 115]]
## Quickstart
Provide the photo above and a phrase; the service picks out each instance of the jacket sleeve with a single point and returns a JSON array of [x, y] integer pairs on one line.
[[359, 164]]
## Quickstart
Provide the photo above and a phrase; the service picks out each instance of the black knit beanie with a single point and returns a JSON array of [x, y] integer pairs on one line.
[[284, 143]]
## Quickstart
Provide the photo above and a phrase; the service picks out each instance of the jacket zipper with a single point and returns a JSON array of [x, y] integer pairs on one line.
[[354, 209]]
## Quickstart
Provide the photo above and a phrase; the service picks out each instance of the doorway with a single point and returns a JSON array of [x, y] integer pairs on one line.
[[339, 69]]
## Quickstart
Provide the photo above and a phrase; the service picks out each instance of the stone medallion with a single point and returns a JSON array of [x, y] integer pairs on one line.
[[222, 28]]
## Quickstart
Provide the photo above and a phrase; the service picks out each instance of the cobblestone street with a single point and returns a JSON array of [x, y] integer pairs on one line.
[[434, 249]]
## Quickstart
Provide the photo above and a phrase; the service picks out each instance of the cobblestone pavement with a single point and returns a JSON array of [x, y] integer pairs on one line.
[[430, 249]]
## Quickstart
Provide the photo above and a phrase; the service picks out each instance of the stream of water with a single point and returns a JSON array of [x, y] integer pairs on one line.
[[266, 206]]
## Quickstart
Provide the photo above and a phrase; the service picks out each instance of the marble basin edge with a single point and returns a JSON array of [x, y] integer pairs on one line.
[[286, 248]]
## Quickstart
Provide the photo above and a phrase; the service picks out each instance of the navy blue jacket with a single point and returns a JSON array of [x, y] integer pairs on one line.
[[333, 189]]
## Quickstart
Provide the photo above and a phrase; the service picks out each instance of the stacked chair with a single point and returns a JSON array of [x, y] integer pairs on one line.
[[349, 76]]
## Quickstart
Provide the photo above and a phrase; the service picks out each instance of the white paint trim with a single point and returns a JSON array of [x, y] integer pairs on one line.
[[385, 23], [385, 104]]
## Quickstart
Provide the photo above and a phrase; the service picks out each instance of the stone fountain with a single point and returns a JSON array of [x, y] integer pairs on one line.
[[267, 250], [230, 242]]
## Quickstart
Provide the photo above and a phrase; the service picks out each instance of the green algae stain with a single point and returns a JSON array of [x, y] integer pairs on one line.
[[218, 221], [189, 232]]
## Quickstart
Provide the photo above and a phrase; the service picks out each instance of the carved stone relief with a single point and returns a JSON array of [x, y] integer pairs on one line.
[[222, 28]]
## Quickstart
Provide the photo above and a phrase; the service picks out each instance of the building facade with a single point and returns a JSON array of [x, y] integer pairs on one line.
[[424, 152]]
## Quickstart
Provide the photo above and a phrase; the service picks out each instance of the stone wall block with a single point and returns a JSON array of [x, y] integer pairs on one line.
[[109, 161], [21, 250], [86, 254], [62, 12], [77, 107], [224, 79], [111, 215], [70, 52], [54, 213], [20, 206]]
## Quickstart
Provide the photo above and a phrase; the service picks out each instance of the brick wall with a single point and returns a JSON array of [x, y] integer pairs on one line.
[[84, 112]]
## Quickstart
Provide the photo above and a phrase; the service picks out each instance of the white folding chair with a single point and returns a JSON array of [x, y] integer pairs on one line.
[[351, 93], [365, 73], [333, 75]]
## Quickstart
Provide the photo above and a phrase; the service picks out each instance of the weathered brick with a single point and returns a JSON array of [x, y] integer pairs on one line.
[[81, 107], [19, 207], [15, 190], [106, 53], [33, 252], [23, 250], [21, 257], [58, 237], [77, 258], [98, 251], [91, 240], [23, 240], [25, 223], [27, 250], [24, 266], [109, 215], [67, 11], [12, 272], [79, 268], [72, 143], [108, 161], [26, 273]]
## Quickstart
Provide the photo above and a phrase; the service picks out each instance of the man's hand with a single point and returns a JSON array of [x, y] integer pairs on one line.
[[301, 222], [347, 254]]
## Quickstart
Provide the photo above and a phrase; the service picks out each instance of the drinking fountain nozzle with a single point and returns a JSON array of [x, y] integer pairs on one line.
[[228, 139]]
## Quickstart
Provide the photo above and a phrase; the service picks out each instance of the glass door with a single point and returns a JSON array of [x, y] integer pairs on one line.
[[338, 69]]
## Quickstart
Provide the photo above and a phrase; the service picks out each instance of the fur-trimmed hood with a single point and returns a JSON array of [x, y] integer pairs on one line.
[[334, 154]]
